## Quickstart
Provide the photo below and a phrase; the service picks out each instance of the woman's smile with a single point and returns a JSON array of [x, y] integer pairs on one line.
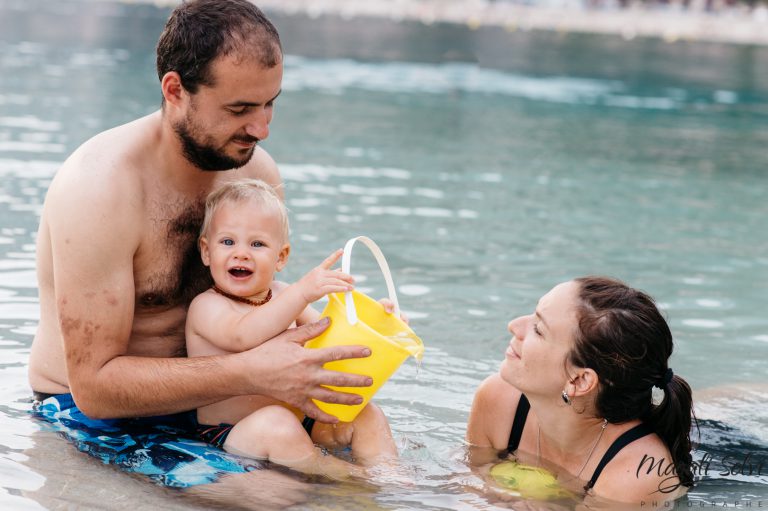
[[511, 353]]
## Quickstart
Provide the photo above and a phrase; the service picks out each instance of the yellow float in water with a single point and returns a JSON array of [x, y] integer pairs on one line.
[[529, 482]]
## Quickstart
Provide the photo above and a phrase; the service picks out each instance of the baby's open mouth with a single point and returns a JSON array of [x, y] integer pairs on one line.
[[239, 272]]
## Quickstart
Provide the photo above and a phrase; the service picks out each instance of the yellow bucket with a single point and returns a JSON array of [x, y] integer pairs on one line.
[[357, 319]]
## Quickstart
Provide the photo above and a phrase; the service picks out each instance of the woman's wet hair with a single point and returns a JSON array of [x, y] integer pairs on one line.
[[623, 337], [200, 31]]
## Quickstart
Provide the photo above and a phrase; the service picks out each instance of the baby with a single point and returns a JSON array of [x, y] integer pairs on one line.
[[244, 241]]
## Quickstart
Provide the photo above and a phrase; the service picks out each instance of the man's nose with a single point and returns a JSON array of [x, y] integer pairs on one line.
[[258, 125]]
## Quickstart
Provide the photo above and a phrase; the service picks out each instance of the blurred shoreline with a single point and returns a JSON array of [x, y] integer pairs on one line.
[[669, 22]]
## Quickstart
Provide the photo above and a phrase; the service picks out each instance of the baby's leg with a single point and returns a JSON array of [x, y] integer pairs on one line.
[[372, 440], [274, 433], [368, 435]]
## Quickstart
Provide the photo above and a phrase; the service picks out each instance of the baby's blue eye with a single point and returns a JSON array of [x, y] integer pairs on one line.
[[227, 242], [257, 244]]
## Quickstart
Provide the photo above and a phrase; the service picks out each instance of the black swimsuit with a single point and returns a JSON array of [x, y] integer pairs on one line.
[[629, 436]]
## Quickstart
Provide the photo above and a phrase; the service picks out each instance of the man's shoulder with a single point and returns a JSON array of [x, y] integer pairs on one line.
[[263, 167], [106, 164]]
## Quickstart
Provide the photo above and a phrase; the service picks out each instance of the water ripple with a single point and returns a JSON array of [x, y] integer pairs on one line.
[[336, 75], [703, 323], [30, 122]]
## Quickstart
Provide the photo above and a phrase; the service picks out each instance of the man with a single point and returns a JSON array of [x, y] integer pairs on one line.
[[116, 253]]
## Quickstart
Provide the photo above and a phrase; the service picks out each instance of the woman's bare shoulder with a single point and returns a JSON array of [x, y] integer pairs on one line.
[[492, 413], [643, 471]]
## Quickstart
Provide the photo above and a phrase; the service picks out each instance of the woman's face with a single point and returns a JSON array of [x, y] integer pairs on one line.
[[534, 361]]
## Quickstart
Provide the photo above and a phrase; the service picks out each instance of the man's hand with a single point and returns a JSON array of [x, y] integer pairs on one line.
[[322, 280], [295, 375]]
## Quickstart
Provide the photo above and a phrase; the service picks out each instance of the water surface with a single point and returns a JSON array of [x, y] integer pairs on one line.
[[488, 165]]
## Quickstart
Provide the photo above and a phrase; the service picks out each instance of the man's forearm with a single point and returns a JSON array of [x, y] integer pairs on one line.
[[130, 386]]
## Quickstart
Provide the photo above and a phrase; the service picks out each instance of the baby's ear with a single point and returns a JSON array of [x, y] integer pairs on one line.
[[205, 254], [282, 258]]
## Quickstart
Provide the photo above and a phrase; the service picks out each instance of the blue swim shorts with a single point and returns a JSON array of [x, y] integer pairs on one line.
[[162, 448]]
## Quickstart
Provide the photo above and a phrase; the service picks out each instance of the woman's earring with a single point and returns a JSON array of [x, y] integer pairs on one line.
[[566, 399]]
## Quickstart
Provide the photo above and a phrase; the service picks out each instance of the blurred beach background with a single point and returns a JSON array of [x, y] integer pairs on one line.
[[492, 149]]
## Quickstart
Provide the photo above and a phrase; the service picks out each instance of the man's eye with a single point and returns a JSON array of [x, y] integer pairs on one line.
[[239, 111]]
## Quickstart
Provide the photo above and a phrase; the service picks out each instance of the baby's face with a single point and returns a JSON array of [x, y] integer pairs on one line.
[[244, 247]]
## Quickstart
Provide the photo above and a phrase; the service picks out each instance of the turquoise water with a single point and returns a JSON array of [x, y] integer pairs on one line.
[[488, 166]]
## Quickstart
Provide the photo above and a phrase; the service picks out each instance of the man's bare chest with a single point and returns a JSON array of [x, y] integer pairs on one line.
[[168, 271]]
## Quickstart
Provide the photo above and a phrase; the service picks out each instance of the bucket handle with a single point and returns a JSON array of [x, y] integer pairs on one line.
[[346, 263]]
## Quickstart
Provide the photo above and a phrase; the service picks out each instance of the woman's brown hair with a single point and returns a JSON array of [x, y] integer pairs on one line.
[[623, 337]]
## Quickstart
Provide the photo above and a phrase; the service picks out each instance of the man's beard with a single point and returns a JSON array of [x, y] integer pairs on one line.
[[207, 157]]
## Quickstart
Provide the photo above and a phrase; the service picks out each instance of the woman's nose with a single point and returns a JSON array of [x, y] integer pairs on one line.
[[517, 327]]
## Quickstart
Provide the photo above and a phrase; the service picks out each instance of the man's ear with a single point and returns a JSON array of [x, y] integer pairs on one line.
[[282, 257], [205, 253], [172, 88]]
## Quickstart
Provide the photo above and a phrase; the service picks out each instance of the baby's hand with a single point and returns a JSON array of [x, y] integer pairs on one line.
[[322, 280], [390, 308]]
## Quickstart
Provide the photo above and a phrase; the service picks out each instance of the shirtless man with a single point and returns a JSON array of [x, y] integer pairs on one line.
[[116, 254]]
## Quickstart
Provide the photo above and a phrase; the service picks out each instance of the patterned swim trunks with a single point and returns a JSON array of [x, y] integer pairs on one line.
[[161, 448]]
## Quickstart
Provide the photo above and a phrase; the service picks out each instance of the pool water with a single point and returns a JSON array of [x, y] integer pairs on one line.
[[488, 165]]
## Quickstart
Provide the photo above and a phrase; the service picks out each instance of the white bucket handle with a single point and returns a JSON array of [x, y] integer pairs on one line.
[[346, 263]]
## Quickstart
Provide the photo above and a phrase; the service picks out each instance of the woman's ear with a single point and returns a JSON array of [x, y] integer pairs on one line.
[[282, 257], [584, 382]]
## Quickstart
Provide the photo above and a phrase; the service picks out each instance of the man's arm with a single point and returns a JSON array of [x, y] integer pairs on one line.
[[93, 249]]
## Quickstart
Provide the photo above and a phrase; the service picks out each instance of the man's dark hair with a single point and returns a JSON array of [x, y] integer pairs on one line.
[[200, 31]]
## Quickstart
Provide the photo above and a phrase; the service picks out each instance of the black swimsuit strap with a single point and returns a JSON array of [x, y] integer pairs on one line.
[[521, 414], [625, 439]]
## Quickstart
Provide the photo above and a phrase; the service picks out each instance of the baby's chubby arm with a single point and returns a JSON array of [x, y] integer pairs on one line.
[[218, 321]]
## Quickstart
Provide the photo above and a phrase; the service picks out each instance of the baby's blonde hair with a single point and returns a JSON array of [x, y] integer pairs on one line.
[[247, 189]]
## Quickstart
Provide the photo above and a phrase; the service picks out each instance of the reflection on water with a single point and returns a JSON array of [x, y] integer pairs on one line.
[[488, 166]]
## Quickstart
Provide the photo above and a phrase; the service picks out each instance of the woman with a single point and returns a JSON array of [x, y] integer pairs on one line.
[[574, 395]]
